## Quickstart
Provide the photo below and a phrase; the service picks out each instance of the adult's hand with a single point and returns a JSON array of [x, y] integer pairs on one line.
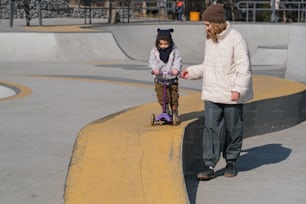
[[235, 96], [184, 74]]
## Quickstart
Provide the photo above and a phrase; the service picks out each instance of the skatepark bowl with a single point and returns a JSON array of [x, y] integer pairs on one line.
[[99, 138]]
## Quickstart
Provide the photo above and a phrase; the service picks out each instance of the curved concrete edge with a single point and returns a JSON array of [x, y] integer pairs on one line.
[[269, 56], [134, 36], [137, 43], [125, 160], [132, 41], [59, 47], [19, 90], [283, 112]]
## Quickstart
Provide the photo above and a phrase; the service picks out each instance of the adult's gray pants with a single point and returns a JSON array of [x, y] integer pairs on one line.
[[223, 130]]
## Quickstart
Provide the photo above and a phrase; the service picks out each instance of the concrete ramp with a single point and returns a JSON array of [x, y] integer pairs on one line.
[[59, 46], [137, 41], [270, 56]]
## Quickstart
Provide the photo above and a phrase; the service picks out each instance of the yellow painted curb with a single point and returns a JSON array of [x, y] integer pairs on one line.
[[23, 91], [124, 160], [60, 28], [266, 87]]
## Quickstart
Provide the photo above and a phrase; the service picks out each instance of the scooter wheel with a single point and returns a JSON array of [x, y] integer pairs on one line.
[[153, 119]]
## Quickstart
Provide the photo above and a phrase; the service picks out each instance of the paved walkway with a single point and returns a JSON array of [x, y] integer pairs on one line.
[[271, 170], [59, 110]]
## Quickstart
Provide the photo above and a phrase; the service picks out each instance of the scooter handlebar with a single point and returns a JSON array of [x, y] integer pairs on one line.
[[166, 73]]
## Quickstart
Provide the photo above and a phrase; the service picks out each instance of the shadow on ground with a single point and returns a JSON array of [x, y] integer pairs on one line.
[[250, 159]]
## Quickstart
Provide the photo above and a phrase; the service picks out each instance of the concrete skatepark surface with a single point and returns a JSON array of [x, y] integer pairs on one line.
[[62, 93]]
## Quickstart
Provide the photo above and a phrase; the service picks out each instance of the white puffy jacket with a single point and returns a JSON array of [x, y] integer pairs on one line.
[[226, 67], [174, 62]]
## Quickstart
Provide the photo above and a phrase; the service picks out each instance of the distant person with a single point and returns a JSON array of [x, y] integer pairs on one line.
[[179, 9], [144, 8], [162, 6], [227, 84], [166, 57], [276, 15], [26, 7]]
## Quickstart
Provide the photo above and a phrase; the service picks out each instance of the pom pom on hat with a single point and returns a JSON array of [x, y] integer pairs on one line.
[[214, 14]]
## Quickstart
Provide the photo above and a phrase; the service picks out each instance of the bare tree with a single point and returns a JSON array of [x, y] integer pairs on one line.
[[26, 7]]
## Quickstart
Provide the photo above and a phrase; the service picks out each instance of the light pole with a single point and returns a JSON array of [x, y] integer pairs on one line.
[[303, 13], [26, 8], [39, 12], [110, 11], [273, 11], [11, 11]]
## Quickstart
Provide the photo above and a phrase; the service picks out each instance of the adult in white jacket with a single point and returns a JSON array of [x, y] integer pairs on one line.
[[227, 84]]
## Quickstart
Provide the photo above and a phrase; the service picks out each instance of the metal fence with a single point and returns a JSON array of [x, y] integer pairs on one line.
[[55, 8], [253, 10], [125, 10], [115, 11]]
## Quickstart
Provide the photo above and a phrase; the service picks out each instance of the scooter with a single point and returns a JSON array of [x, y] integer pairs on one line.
[[164, 117]]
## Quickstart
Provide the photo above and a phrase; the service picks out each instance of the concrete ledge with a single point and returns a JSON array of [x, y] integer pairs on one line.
[[123, 159], [126, 160], [269, 56], [59, 47]]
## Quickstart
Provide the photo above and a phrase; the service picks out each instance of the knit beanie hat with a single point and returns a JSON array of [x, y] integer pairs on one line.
[[164, 53], [166, 33], [214, 14]]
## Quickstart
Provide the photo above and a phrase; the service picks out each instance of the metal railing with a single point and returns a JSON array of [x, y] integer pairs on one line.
[[123, 9], [127, 9], [47, 6], [254, 8], [57, 8]]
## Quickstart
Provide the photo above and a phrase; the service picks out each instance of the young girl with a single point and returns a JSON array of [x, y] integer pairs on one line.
[[165, 57]]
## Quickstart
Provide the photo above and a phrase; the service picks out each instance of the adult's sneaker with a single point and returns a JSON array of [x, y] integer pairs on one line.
[[207, 173], [230, 170]]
